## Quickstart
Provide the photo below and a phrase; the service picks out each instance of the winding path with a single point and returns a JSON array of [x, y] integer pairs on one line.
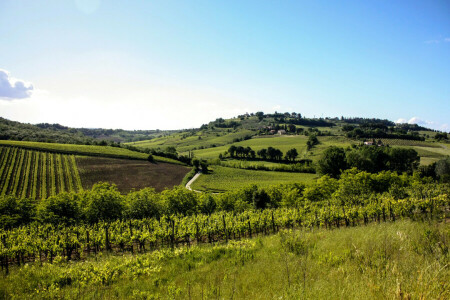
[[188, 185]]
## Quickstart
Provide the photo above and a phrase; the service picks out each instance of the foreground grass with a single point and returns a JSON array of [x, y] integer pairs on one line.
[[89, 150], [222, 179], [399, 260]]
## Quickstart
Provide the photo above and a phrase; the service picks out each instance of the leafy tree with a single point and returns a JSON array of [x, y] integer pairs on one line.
[[61, 209], [262, 153], [442, 169], [333, 161], [15, 212], [179, 201], [312, 141], [204, 166], [102, 203], [145, 203], [196, 164], [291, 154], [232, 150]]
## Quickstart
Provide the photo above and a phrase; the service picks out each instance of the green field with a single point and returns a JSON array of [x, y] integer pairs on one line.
[[401, 260], [89, 150], [226, 179], [37, 175], [186, 141], [283, 142]]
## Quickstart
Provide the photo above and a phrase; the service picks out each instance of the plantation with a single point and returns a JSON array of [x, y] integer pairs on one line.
[[227, 179], [90, 150], [186, 141], [378, 261], [37, 175]]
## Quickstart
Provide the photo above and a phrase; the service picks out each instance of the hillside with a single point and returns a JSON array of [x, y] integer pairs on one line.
[[56, 133], [36, 170]]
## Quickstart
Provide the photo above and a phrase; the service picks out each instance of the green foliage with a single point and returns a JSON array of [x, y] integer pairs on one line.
[[62, 209], [145, 203], [368, 158], [15, 212], [333, 161], [102, 203], [179, 201]]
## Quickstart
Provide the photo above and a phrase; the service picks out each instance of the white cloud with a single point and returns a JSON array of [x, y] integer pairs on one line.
[[401, 121], [276, 107], [12, 88], [416, 120]]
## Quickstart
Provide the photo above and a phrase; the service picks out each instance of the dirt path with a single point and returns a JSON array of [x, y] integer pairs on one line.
[[188, 185]]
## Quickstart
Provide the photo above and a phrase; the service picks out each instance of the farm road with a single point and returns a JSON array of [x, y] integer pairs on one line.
[[188, 185]]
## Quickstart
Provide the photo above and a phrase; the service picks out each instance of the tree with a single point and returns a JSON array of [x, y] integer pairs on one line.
[[102, 203], [145, 203], [333, 161], [312, 141], [204, 167], [196, 164], [442, 169], [262, 153], [291, 154], [232, 150]]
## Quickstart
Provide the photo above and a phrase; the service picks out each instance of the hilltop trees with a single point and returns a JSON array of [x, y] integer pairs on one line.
[[371, 159]]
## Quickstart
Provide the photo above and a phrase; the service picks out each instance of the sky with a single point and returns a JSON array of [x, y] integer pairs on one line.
[[179, 64]]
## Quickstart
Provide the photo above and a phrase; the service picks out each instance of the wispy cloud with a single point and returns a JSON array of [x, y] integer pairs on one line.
[[12, 88], [438, 41]]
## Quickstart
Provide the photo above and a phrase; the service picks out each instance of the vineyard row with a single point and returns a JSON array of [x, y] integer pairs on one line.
[[38, 242], [37, 175]]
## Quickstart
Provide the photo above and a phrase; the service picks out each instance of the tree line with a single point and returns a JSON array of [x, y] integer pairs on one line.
[[105, 203]]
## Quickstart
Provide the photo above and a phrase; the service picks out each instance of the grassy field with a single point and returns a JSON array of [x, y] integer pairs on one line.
[[401, 260], [129, 174], [283, 142], [187, 141], [223, 179], [35, 174], [89, 150]]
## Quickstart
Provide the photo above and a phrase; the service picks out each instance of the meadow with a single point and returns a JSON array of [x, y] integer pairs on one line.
[[37, 175], [222, 179]]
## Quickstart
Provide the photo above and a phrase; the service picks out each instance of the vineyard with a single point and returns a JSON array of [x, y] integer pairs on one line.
[[45, 242], [37, 175]]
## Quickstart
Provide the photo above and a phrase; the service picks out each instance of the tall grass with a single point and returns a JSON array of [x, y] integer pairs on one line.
[[401, 260]]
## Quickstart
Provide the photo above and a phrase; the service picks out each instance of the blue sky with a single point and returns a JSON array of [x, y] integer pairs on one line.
[[179, 64]]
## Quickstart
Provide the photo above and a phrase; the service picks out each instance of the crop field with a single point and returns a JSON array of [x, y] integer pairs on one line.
[[185, 141], [430, 154], [284, 143], [90, 150], [223, 179], [129, 174], [411, 143], [37, 175]]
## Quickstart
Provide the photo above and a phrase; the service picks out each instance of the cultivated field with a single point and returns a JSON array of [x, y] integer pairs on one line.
[[35, 174], [186, 141], [90, 150], [129, 174], [223, 179]]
